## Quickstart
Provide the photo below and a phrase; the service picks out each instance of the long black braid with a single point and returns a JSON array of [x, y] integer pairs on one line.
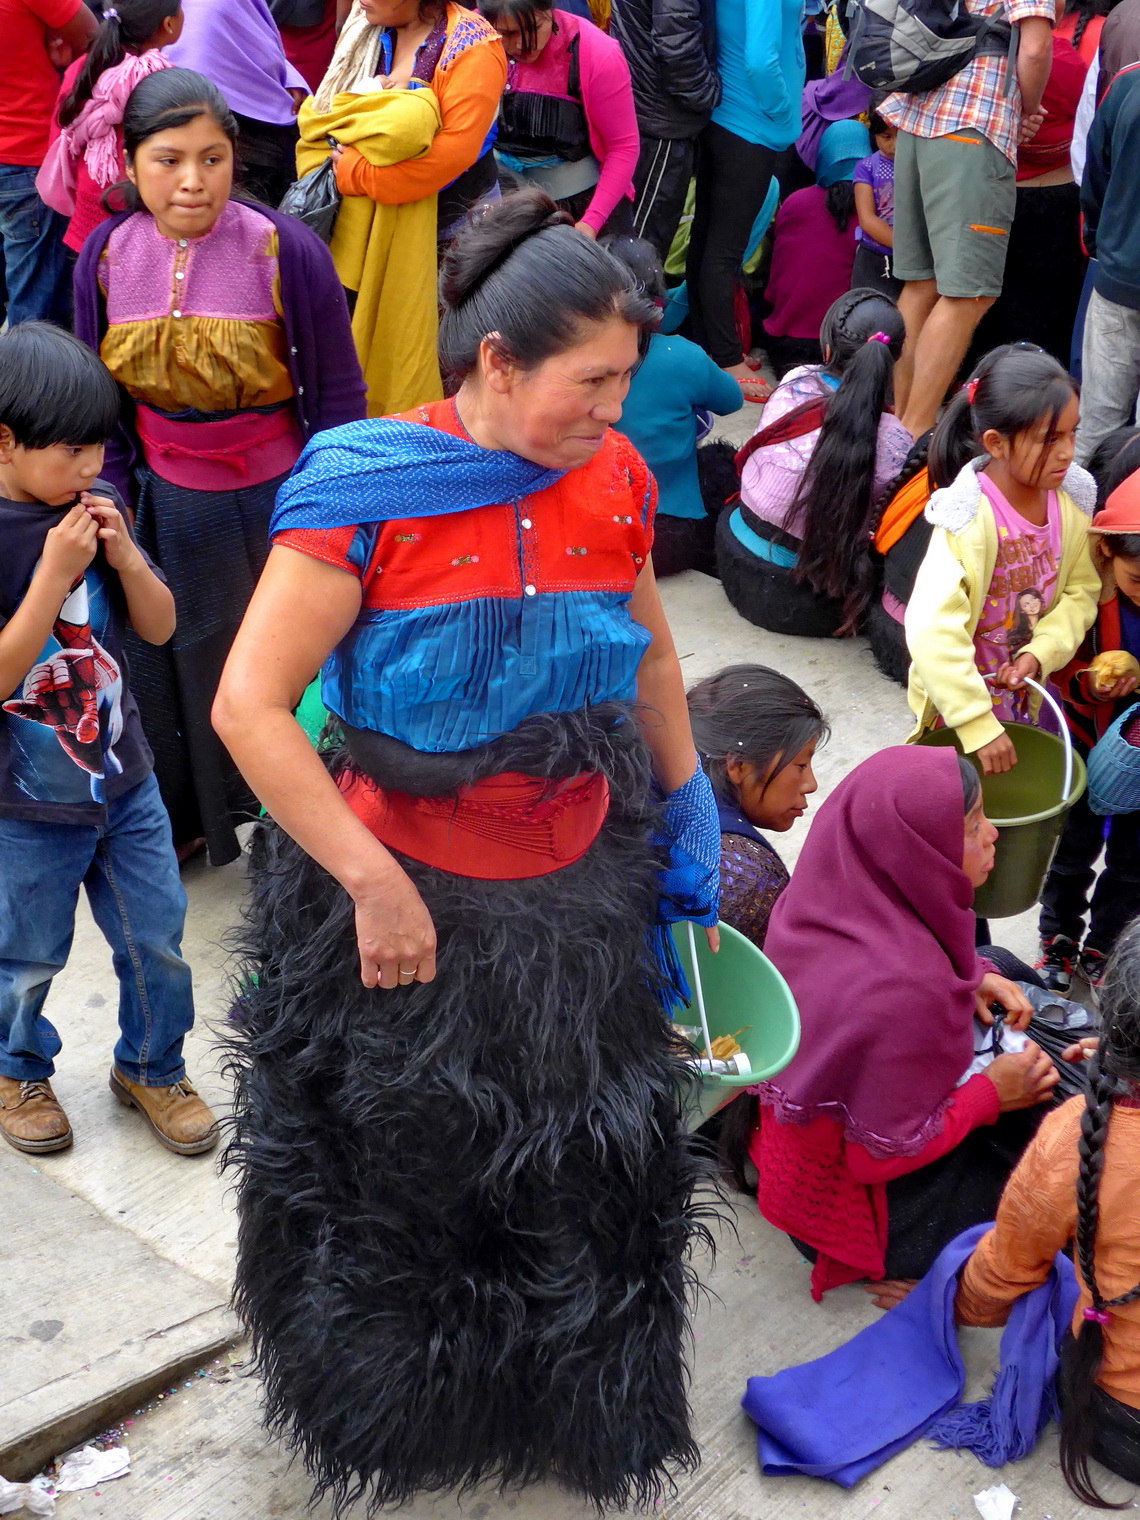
[[862, 334], [1116, 1065]]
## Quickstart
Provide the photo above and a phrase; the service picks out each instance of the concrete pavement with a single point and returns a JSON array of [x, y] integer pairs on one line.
[[201, 1454]]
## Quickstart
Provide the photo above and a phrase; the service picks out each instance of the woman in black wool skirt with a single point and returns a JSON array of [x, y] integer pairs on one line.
[[464, 1182]]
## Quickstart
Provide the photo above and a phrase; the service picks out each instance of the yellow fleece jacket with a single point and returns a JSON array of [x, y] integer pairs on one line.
[[950, 590]]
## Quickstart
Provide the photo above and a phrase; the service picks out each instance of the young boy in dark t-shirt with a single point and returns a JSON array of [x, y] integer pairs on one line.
[[79, 804]]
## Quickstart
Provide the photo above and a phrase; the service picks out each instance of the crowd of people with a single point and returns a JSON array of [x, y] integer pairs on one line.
[[376, 341]]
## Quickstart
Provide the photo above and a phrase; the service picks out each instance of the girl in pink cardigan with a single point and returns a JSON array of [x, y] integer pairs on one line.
[[567, 120], [85, 154]]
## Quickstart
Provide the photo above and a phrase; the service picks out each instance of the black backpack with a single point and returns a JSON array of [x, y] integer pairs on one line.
[[917, 45]]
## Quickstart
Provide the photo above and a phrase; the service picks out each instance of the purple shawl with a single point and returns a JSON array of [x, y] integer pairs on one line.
[[875, 936], [825, 101], [236, 44]]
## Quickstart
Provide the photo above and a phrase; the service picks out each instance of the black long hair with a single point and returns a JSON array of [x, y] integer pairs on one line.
[[840, 202], [755, 713], [162, 102], [1114, 1070], [1013, 388], [521, 272], [129, 24], [862, 336]]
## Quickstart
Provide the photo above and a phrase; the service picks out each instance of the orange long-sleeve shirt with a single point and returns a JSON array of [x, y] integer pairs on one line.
[[468, 91], [1037, 1217]]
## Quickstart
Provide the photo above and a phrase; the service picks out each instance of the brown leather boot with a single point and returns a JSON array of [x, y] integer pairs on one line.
[[178, 1116], [30, 1117]]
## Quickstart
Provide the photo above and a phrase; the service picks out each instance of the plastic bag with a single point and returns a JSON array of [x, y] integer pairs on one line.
[[315, 199], [24, 1499]]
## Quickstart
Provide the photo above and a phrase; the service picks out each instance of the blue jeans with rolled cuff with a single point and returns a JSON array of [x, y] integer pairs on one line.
[[129, 870]]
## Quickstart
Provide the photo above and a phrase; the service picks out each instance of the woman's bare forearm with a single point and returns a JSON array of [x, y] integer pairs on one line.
[[275, 756]]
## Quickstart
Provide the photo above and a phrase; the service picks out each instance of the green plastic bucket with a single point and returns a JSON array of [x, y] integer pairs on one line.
[[742, 991], [1028, 810]]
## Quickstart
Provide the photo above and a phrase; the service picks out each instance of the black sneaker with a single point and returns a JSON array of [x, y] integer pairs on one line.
[[1090, 966], [1058, 953]]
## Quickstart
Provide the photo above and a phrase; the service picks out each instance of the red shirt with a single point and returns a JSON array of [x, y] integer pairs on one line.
[[31, 84]]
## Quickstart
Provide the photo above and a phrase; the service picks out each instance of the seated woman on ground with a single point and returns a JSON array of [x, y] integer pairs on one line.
[[794, 555], [673, 384], [874, 1148], [756, 733], [1079, 1181], [813, 250]]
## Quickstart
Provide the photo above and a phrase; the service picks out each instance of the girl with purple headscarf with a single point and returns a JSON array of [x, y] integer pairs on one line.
[[873, 1151]]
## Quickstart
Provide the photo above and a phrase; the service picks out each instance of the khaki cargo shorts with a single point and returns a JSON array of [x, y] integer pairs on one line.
[[954, 205]]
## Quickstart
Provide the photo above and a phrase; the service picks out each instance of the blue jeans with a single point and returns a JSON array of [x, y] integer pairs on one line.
[[130, 873], [37, 267]]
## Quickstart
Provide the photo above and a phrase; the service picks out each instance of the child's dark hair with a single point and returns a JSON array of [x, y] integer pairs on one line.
[[840, 201], [124, 29], [878, 125], [753, 712], [1115, 457], [1016, 386], [862, 334], [53, 389], [642, 259], [1113, 1072], [162, 102]]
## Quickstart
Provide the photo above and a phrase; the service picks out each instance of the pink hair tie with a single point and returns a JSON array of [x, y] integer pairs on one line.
[[971, 391], [1101, 1316], [879, 338]]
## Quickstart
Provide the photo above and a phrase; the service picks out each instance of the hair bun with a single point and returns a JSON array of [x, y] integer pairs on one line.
[[491, 236]]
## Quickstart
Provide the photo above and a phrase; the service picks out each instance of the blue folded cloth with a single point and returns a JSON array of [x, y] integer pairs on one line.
[[845, 1414]]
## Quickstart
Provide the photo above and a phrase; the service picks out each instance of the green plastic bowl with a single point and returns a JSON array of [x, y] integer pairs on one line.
[[1026, 807], [743, 991]]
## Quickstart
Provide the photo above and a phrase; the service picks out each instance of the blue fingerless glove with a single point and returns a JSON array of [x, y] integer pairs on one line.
[[689, 882]]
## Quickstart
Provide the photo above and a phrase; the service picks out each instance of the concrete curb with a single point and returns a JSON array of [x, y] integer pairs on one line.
[[79, 1404]]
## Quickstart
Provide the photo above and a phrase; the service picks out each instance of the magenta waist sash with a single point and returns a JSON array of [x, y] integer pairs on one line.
[[246, 449]]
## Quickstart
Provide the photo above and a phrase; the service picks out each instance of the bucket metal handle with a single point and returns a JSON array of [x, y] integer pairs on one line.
[[1047, 696], [698, 987]]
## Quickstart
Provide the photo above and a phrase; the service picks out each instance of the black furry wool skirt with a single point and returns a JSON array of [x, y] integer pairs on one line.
[[467, 1207]]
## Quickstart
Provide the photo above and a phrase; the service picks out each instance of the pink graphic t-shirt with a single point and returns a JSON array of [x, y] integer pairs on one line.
[[1021, 592]]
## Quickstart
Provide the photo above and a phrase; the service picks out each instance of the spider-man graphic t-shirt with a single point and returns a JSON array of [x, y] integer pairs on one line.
[[70, 736]]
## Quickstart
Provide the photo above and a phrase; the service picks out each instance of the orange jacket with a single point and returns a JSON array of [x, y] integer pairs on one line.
[[468, 83]]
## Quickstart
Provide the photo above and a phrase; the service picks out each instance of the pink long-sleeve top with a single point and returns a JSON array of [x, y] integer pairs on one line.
[[607, 99]]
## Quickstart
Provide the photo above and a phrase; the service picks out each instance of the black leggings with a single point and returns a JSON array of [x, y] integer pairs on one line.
[[732, 181]]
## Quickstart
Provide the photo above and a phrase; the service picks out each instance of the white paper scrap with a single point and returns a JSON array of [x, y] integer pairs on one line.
[[24, 1499], [89, 1467], [995, 1503]]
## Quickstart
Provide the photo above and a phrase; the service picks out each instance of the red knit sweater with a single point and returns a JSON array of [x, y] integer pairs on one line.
[[831, 1193]]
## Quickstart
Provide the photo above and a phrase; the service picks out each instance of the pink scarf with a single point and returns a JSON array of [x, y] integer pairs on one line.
[[93, 135]]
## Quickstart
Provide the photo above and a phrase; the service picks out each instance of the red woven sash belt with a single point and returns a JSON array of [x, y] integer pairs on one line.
[[504, 828]]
